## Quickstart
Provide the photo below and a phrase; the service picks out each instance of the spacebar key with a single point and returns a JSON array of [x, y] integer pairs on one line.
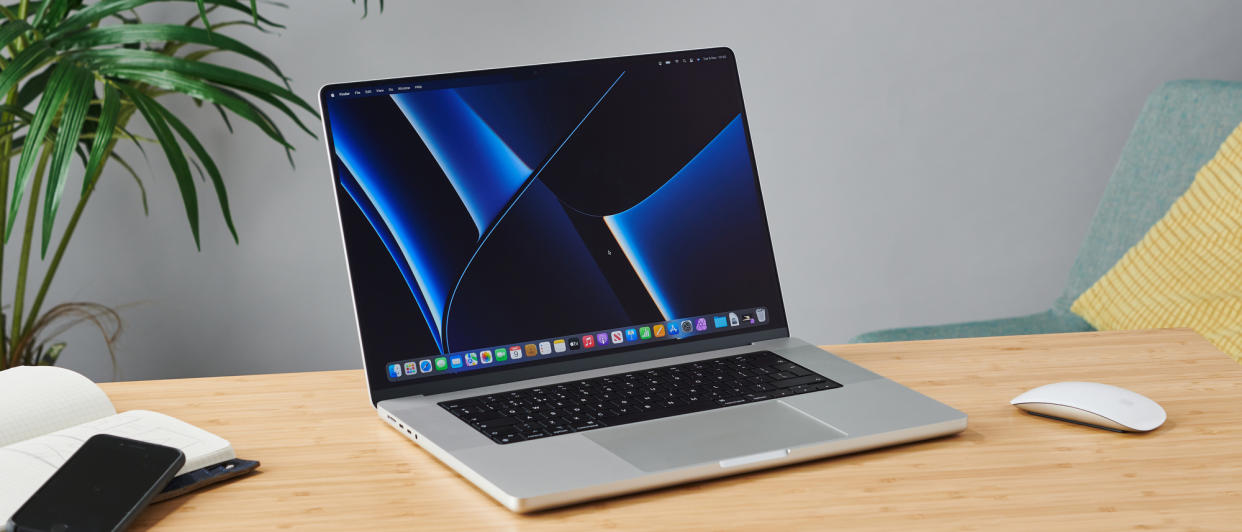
[[654, 413], [797, 381]]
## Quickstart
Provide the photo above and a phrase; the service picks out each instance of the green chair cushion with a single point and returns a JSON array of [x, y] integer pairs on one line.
[[1179, 129]]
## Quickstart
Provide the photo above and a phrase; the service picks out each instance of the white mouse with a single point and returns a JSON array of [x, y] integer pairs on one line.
[[1095, 404]]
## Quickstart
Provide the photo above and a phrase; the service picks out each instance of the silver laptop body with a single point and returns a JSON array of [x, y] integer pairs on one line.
[[476, 128]]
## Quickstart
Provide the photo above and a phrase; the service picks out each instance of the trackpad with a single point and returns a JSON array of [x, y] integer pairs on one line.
[[713, 436]]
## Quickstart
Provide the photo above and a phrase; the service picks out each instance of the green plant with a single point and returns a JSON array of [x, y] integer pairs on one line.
[[87, 69]]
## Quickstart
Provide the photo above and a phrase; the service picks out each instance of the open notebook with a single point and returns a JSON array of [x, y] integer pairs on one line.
[[46, 413]]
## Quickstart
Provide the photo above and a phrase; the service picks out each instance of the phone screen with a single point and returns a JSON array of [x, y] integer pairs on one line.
[[103, 486]]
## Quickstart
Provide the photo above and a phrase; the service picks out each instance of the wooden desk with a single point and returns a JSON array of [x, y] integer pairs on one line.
[[328, 461]]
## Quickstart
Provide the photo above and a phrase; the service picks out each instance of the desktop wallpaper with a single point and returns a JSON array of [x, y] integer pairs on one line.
[[491, 208]]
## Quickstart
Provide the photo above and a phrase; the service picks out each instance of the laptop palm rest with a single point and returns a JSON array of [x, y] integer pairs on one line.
[[731, 436]]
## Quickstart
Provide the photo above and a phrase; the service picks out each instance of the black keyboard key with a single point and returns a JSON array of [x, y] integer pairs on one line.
[[797, 381], [486, 416], [587, 425], [507, 437], [495, 423], [656, 413]]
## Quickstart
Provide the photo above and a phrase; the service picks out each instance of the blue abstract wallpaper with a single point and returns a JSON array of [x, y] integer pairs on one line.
[[512, 205]]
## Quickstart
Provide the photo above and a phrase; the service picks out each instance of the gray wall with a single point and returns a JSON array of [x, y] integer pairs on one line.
[[923, 162]]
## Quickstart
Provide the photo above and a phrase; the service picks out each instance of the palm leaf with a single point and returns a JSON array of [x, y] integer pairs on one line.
[[43, 7], [263, 115], [17, 111], [95, 12], [57, 89], [26, 61], [205, 91], [212, 171], [79, 87], [131, 33], [108, 114], [79, 149], [365, 7], [202, 13], [33, 87], [50, 13], [154, 114], [11, 30], [142, 190], [275, 102], [224, 117], [9, 14], [111, 59]]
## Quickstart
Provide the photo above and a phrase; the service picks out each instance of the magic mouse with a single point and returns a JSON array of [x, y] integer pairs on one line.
[[1090, 403]]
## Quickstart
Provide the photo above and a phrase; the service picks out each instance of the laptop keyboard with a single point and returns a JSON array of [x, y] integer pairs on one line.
[[624, 398]]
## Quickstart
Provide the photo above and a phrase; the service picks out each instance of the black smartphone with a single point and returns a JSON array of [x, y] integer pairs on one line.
[[103, 486]]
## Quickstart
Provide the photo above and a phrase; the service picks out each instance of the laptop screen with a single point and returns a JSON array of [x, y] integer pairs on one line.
[[516, 217]]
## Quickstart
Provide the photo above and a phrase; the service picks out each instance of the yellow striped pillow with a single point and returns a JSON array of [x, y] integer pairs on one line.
[[1187, 270]]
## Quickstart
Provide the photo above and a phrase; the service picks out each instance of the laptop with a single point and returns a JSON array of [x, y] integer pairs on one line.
[[565, 287]]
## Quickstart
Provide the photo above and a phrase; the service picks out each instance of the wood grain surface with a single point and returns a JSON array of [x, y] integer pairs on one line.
[[328, 461]]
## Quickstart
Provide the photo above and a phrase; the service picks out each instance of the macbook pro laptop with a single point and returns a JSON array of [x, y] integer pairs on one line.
[[565, 288]]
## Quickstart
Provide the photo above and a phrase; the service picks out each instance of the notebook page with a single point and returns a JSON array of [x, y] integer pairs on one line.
[[37, 458], [22, 477], [36, 400]]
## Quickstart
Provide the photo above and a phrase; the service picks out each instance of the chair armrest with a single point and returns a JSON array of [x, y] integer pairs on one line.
[[1045, 322]]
